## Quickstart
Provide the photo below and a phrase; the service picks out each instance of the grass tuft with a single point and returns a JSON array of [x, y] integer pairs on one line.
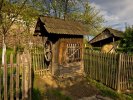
[[108, 92]]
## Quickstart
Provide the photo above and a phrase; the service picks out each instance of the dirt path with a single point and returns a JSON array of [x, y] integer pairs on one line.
[[70, 88]]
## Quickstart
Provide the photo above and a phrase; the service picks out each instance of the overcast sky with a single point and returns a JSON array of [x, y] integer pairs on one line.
[[115, 12]]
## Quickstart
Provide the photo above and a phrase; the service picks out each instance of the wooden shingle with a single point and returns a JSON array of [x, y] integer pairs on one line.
[[60, 26]]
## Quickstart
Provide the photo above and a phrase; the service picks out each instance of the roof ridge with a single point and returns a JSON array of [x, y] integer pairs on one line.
[[60, 19], [114, 29]]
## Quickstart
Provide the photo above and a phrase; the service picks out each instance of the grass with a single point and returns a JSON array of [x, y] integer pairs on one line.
[[8, 52], [56, 95], [41, 91], [105, 91]]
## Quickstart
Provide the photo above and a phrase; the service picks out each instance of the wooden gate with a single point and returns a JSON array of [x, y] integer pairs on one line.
[[39, 64]]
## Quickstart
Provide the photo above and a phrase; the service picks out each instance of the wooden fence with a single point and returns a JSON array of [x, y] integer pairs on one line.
[[112, 69], [15, 78], [38, 60]]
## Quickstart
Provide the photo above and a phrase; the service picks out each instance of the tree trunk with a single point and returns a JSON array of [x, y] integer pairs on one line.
[[3, 50], [65, 9]]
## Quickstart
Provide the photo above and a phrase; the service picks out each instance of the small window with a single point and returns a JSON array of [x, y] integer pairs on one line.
[[73, 52]]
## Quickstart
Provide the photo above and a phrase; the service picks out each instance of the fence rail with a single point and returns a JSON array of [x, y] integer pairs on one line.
[[112, 69], [15, 78]]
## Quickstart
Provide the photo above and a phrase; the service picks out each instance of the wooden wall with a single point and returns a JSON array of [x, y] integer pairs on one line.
[[63, 45], [59, 45]]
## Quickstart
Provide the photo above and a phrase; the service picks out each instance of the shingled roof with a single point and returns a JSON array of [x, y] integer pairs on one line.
[[107, 33], [115, 32], [60, 26]]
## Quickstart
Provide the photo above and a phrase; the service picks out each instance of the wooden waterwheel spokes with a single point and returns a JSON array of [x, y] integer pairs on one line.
[[48, 51], [48, 56]]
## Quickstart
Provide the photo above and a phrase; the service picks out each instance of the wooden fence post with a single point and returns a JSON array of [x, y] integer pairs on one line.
[[119, 72], [5, 78], [0, 83], [30, 76], [11, 77], [26, 76], [23, 77], [17, 77]]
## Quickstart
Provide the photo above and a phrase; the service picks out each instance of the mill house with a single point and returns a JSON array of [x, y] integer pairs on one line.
[[63, 44]]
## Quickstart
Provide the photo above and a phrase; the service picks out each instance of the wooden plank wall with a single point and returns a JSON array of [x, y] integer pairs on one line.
[[70, 44], [112, 69], [12, 79]]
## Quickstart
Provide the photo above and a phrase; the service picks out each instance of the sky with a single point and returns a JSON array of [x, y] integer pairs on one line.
[[117, 13]]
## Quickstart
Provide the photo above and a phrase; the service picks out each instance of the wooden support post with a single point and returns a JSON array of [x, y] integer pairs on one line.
[[119, 72]]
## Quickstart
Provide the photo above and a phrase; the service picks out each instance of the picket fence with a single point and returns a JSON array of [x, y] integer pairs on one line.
[[112, 69], [15, 78]]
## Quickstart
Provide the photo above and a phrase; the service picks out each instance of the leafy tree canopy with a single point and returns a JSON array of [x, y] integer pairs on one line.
[[77, 10], [127, 41]]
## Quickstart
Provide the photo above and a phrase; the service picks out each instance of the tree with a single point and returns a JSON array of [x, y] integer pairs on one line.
[[90, 17], [56, 8], [10, 12], [127, 42], [76, 10]]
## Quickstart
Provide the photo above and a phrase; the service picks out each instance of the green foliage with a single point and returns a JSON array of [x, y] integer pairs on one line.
[[90, 17], [19, 49], [16, 13], [57, 8], [36, 95], [77, 10], [127, 42]]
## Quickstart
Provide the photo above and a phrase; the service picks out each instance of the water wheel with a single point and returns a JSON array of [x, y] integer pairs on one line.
[[48, 52]]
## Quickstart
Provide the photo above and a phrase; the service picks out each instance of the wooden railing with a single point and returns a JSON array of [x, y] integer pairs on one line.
[[16, 78], [112, 69]]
